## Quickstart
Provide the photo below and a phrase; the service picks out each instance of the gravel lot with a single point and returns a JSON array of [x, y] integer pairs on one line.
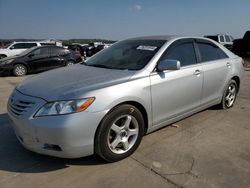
[[208, 149]]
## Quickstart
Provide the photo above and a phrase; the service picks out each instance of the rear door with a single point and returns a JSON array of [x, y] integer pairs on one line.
[[179, 91], [216, 67], [57, 57], [38, 60]]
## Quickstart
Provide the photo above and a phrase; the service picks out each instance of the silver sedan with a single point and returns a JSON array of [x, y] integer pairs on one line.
[[108, 103]]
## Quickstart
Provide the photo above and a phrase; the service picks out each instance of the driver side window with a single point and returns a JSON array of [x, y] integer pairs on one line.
[[17, 46], [184, 53], [41, 52]]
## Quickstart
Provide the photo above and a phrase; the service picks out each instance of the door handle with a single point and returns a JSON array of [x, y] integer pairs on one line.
[[197, 72], [228, 64]]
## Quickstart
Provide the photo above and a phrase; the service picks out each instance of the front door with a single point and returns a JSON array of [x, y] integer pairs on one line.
[[179, 91]]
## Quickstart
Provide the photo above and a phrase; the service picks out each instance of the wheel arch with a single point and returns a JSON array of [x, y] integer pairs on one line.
[[24, 64], [136, 104], [3, 55], [142, 109], [237, 80]]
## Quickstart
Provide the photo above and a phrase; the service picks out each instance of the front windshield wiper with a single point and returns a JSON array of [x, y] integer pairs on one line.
[[99, 66], [103, 66]]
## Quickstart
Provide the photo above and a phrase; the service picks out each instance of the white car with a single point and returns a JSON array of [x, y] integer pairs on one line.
[[16, 48]]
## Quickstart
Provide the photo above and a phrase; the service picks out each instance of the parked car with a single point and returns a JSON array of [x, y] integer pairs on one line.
[[16, 48], [78, 51], [93, 48], [76, 47], [37, 59], [224, 39], [78, 56], [241, 47], [106, 104]]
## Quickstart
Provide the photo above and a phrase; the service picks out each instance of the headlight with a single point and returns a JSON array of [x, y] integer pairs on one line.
[[8, 61], [64, 107]]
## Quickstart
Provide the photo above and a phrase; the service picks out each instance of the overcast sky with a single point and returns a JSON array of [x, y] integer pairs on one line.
[[119, 19]]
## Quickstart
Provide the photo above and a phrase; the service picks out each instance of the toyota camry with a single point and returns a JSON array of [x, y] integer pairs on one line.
[[108, 103]]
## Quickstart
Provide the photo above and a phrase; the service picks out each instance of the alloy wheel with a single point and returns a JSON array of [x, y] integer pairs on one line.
[[69, 63], [20, 70], [123, 134], [230, 95]]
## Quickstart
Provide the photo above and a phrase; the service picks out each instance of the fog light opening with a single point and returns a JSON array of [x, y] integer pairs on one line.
[[52, 147]]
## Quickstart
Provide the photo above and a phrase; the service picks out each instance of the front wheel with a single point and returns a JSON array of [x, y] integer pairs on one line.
[[120, 133], [69, 63], [19, 70], [229, 95]]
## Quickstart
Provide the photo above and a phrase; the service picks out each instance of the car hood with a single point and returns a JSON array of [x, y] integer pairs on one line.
[[4, 50], [71, 82]]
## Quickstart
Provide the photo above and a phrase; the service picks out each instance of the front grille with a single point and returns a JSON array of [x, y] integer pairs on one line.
[[19, 107]]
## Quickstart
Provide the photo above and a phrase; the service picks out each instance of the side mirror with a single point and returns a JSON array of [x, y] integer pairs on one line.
[[12, 47], [168, 64]]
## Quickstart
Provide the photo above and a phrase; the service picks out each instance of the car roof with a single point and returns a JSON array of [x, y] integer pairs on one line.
[[26, 42], [155, 37], [167, 37]]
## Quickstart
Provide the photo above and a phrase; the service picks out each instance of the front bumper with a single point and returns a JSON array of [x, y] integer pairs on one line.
[[66, 136], [5, 69]]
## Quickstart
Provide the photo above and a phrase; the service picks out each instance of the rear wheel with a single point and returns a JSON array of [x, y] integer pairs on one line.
[[120, 133], [20, 70], [68, 63], [229, 95]]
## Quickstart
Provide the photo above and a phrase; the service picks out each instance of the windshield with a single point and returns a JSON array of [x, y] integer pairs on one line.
[[27, 51], [126, 55]]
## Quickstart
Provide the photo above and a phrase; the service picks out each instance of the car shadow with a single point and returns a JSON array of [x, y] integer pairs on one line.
[[15, 158]]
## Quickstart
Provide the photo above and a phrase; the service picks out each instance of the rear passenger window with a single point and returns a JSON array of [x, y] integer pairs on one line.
[[41, 52], [184, 53], [29, 45], [210, 52], [57, 51]]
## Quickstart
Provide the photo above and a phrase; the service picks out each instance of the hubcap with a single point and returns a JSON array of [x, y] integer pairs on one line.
[[20, 70], [123, 134], [70, 63], [230, 96]]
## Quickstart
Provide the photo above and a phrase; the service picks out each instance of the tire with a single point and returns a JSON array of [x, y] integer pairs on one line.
[[69, 63], [20, 70], [2, 56], [119, 133], [229, 95]]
